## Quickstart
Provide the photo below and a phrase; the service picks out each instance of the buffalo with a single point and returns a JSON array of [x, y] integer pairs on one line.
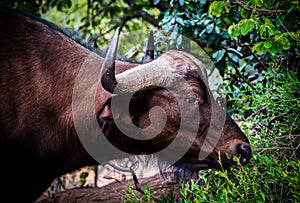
[[42, 103]]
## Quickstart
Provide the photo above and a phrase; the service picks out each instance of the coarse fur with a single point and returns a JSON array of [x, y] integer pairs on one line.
[[38, 140]]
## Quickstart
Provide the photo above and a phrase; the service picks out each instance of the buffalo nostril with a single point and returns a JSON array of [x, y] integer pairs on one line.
[[244, 152]]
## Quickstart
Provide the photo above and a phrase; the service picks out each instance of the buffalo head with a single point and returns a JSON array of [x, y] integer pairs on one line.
[[171, 106]]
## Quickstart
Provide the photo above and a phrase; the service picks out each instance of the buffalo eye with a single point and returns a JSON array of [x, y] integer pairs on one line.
[[192, 99]]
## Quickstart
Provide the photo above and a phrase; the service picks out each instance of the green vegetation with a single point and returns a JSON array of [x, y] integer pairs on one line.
[[273, 129], [273, 175], [255, 46]]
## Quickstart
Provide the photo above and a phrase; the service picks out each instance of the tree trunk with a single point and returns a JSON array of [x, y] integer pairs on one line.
[[112, 192]]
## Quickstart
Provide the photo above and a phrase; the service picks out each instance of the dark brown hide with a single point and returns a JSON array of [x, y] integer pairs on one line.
[[38, 141]]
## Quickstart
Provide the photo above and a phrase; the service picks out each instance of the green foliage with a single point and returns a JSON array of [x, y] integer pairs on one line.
[[131, 195], [37, 7], [217, 8], [254, 31], [274, 132], [262, 181], [275, 103], [93, 18]]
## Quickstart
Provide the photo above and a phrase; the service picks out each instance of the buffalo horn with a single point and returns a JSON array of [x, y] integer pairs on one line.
[[143, 77], [108, 78], [149, 55], [157, 73]]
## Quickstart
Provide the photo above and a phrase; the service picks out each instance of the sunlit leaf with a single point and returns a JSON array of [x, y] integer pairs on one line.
[[155, 2], [210, 28], [218, 55], [245, 27], [268, 43], [234, 57], [181, 2]]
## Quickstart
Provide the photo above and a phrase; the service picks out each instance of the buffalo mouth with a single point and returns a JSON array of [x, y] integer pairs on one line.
[[195, 164], [187, 169], [221, 162]]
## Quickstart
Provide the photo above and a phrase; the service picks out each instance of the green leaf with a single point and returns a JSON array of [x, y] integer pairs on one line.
[[236, 52], [218, 55], [263, 195], [262, 31], [155, 2], [181, 2], [268, 43], [179, 40], [258, 47], [271, 29], [280, 19], [243, 12], [245, 27], [217, 30], [285, 43], [230, 29], [291, 9], [216, 8], [210, 28], [273, 49], [252, 25], [236, 32], [234, 57], [206, 22], [286, 46], [180, 21]]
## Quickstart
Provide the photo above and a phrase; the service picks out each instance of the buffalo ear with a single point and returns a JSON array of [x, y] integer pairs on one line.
[[106, 112], [116, 112], [149, 55]]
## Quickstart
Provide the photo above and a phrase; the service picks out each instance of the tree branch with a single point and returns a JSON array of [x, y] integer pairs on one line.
[[162, 6], [237, 70], [257, 10], [138, 187], [278, 117], [135, 179], [250, 51], [90, 19], [146, 16], [121, 25], [256, 58]]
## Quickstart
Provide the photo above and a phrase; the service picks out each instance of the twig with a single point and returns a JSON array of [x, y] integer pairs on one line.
[[278, 117], [138, 188], [250, 50], [238, 72], [146, 16], [256, 58], [135, 179], [90, 19], [243, 78], [121, 25], [286, 28], [257, 10], [126, 170], [115, 179]]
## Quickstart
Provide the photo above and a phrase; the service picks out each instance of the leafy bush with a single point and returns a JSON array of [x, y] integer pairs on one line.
[[240, 35], [262, 181], [131, 195]]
